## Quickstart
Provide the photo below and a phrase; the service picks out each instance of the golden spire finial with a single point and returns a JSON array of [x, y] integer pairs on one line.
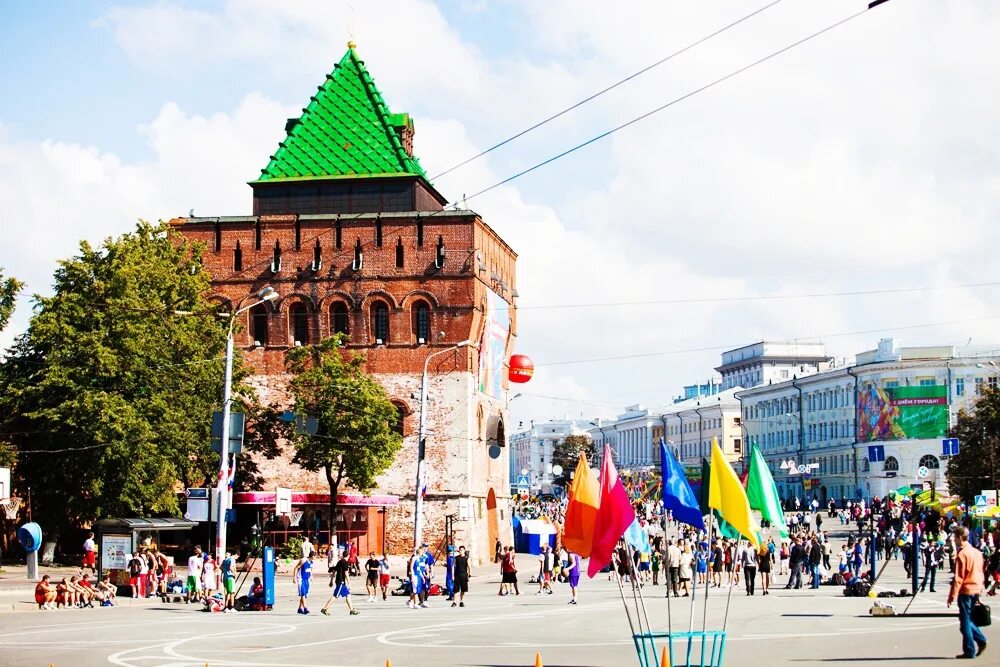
[[351, 44]]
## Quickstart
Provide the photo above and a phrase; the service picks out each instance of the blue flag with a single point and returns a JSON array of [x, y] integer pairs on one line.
[[677, 494]]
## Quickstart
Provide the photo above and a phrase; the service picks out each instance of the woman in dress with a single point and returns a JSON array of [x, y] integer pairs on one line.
[[764, 557]]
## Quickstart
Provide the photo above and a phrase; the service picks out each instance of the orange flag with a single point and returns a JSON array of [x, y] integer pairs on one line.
[[584, 498]]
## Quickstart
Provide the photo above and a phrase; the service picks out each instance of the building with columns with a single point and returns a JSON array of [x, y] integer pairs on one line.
[[531, 450], [902, 399], [346, 226]]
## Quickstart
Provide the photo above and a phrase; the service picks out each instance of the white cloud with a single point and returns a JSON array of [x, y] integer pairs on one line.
[[863, 160]]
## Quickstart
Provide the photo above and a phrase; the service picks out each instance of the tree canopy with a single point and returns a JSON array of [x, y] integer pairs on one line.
[[977, 464], [107, 398], [567, 452], [9, 289], [356, 440]]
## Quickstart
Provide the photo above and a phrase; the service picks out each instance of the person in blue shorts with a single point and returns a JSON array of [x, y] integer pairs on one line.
[[340, 589], [449, 575], [302, 577]]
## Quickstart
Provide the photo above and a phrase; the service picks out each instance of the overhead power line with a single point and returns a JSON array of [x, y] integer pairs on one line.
[[606, 90], [713, 348], [671, 103]]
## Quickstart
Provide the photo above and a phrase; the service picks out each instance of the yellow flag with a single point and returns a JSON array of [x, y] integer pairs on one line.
[[726, 494]]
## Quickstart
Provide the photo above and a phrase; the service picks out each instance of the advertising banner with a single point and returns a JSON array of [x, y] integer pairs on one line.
[[493, 345], [898, 413], [116, 551]]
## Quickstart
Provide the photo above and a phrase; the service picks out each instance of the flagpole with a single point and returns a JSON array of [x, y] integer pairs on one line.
[[725, 618], [637, 598], [708, 579]]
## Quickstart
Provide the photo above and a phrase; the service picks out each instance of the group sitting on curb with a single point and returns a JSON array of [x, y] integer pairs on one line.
[[74, 591]]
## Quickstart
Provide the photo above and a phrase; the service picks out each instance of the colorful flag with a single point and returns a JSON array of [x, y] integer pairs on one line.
[[762, 493], [614, 514], [232, 473], [677, 494], [726, 494], [637, 537], [584, 497]]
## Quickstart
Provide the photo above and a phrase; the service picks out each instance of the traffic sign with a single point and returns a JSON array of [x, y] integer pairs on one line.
[[949, 446], [523, 480], [922, 472], [876, 453], [980, 501]]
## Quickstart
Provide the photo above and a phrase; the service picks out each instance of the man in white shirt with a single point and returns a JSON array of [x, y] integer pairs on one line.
[[90, 553], [195, 564], [673, 560]]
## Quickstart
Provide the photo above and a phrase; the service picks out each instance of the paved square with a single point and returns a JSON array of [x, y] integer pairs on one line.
[[786, 628]]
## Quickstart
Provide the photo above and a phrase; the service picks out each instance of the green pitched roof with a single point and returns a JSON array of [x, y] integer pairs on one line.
[[346, 131]]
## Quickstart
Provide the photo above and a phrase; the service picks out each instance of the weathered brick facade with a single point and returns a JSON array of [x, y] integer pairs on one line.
[[401, 284]]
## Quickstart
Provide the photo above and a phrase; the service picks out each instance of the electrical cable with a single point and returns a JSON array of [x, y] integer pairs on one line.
[[594, 96]]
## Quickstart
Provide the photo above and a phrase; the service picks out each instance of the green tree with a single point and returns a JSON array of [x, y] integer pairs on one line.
[[9, 289], [567, 452], [356, 440], [107, 397], [977, 464]]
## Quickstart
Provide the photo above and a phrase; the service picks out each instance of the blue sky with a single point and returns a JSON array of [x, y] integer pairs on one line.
[[865, 159]]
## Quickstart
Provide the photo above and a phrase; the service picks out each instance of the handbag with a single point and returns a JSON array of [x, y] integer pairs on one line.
[[980, 614]]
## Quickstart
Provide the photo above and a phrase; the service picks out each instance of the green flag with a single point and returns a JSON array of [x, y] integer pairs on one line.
[[762, 492]]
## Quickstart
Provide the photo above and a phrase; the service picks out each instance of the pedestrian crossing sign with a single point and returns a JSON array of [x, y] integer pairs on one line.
[[522, 480], [980, 501]]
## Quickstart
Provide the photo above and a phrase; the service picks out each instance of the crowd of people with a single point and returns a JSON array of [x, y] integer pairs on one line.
[[74, 592]]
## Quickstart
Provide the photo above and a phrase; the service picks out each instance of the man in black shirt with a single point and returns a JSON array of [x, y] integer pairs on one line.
[[371, 576], [461, 576], [340, 589], [796, 557]]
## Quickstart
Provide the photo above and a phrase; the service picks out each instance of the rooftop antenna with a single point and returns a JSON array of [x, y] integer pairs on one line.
[[350, 27]]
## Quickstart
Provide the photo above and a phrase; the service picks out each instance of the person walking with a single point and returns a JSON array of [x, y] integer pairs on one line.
[[228, 571], [764, 558], [383, 576], [371, 576], [673, 568], [573, 576], [340, 589], [783, 554], [461, 574], [89, 554], [718, 562], [748, 561], [510, 560], [686, 570], [545, 565], [195, 565], [965, 589], [932, 560], [302, 578]]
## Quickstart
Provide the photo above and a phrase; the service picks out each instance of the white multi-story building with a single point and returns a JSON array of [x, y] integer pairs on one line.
[[531, 450], [903, 399], [769, 361], [692, 424]]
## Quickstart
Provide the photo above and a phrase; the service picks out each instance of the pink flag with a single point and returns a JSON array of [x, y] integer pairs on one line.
[[614, 516]]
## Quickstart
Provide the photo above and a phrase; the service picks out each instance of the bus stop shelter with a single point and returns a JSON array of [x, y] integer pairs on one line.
[[118, 539]]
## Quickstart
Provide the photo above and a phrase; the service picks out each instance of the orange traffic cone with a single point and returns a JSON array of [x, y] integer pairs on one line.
[[388, 663], [538, 660], [664, 658]]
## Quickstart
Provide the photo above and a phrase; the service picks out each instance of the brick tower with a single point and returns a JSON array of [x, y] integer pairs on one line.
[[356, 240]]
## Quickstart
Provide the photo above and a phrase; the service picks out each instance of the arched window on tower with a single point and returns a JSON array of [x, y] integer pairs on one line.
[[299, 316], [891, 464], [340, 320], [380, 322], [422, 322], [258, 325]]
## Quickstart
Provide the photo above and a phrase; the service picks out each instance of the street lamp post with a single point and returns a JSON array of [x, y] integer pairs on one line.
[[418, 504], [266, 294]]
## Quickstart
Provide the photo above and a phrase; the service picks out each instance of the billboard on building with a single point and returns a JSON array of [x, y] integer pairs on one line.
[[493, 345], [897, 413]]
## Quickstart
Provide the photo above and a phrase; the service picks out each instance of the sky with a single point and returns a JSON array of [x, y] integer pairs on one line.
[[865, 159]]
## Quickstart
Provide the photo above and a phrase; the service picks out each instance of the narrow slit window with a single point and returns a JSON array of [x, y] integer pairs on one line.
[[380, 322], [298, 234], [218, 236], [339, 234], [237, 257], [399, 253], [276, 257], [378, 232], [256, 235], [317, 256], [420, 233]]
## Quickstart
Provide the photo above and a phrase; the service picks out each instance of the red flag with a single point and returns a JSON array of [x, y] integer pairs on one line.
[[614, 516]]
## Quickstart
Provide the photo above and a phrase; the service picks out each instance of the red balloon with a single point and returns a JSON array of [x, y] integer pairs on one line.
[[521, 368]]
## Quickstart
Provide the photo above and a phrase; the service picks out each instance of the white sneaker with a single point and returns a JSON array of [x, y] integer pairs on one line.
[[424, 605], [371, 598], [410, 605]]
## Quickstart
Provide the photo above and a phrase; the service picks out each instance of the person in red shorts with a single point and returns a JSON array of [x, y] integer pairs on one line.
[[90, 553], [45, 595], [65, 596]]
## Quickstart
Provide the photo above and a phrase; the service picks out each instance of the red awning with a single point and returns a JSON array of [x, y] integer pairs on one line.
[[302, 498]]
